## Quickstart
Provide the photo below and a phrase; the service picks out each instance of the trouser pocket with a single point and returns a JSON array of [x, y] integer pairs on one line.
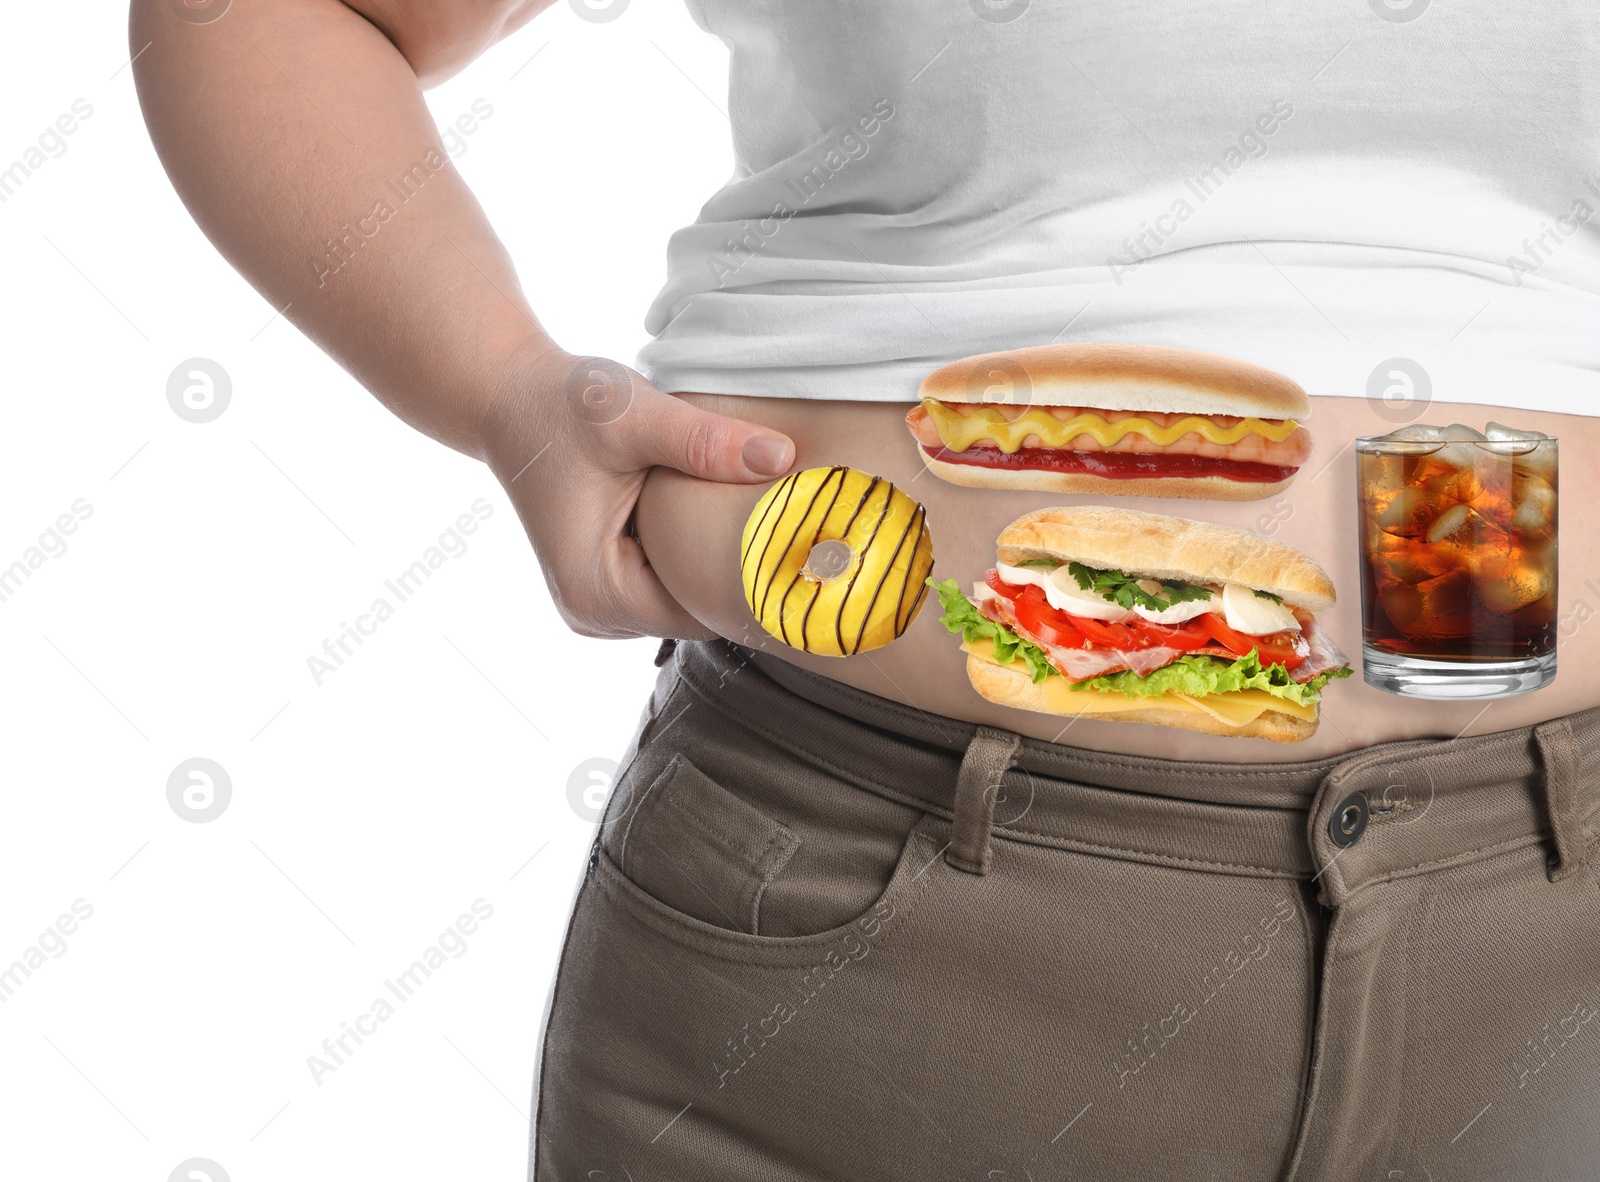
[[723, 828], [693, 841]]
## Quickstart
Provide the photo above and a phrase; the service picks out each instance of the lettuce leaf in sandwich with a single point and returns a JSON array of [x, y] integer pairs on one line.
[[1190, 674], [961, 617], [1200, 675]]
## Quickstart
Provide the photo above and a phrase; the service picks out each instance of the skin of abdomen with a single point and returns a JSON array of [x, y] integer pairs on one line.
[[690, 530]]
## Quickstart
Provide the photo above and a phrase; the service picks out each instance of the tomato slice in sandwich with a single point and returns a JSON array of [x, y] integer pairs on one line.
[[1279, 648], [1229, 638], [1105, 632], [1183, 636], [1057, 627], [999, 586], [1044, 622], [1052, 626]]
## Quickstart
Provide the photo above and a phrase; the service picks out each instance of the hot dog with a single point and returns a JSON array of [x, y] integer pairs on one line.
[[1129, 420]]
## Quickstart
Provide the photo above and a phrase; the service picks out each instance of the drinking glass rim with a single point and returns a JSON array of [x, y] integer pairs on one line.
[[1376, 441]]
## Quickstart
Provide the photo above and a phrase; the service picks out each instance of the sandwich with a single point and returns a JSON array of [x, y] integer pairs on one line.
[[1126, 420], [1113, 614]]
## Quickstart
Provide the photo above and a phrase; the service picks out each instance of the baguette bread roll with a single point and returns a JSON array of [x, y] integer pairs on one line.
[[1151, 545]]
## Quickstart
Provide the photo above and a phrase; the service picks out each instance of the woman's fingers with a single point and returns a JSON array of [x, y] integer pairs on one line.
[[650, 609], [599, 577], [616, 595], [572, 440], [667, 431]]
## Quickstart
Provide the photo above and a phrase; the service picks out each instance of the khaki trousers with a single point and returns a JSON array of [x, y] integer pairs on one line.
[[826, 936]]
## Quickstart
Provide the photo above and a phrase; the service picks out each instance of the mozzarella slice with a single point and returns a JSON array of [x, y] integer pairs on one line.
[[1247, 612], [1022, 576], [1177, 613], [1064, 594]]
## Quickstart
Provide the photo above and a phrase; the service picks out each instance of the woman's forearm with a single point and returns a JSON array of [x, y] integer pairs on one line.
[[296, 134]]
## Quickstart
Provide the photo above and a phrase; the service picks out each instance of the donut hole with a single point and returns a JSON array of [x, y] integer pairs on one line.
[[830, 561]]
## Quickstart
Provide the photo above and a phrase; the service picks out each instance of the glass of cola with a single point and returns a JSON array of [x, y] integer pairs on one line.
[[1458, 560]]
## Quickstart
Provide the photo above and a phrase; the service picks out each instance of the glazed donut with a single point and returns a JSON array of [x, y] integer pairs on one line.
[[835, 560]]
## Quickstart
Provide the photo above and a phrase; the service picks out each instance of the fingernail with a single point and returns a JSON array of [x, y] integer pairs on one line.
[[767, 454]]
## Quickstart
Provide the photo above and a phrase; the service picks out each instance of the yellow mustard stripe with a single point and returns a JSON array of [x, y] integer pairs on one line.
[[961, 431]]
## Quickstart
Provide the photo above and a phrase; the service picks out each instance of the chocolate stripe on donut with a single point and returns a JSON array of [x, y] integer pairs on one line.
[[922, 590], [850, 588], [783, 620], [905, 579], [756, 533], [914, 523], [766, 590], [838, 619]]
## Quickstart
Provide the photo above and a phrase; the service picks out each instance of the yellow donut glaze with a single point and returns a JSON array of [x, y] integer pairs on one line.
[[881, 591]]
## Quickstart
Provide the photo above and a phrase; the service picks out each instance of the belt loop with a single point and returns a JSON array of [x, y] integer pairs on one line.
[[988, 756], [1558, 756], [668, 647]]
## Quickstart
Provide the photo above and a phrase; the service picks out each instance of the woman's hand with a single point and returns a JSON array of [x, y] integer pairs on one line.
[[572, 439]]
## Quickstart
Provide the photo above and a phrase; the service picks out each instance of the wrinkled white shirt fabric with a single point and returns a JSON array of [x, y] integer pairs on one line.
[[1386, 198]]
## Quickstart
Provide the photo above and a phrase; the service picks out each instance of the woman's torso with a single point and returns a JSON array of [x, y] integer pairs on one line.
[[691, 532], [1312, 189]]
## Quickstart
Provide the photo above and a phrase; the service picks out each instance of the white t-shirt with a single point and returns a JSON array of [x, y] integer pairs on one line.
[[1338, 191]]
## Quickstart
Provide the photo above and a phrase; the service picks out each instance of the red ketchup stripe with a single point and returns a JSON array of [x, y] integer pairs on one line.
[[1114, 465]]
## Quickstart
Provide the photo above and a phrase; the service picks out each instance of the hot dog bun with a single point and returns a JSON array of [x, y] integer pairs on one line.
[[1120, 377]]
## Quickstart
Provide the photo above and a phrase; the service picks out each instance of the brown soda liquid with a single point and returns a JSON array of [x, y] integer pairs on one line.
[[1459, 553]]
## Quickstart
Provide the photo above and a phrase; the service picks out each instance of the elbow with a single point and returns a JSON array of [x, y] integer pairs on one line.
[[439, 38]]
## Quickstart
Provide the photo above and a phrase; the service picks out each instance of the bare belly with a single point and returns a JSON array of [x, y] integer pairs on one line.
[[691, 531]]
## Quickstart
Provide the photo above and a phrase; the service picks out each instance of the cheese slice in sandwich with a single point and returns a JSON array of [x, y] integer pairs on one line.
[[1237, 709]]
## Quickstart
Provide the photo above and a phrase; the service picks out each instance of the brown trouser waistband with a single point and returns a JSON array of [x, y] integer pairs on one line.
[[1391, 810]]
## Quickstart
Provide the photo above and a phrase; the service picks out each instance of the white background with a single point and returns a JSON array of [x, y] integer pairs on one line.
[[430, 771]]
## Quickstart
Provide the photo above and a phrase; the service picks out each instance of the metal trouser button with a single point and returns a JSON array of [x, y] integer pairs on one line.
[[1349, 819]]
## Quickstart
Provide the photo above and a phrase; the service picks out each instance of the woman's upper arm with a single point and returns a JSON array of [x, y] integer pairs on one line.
[[441, 37]]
